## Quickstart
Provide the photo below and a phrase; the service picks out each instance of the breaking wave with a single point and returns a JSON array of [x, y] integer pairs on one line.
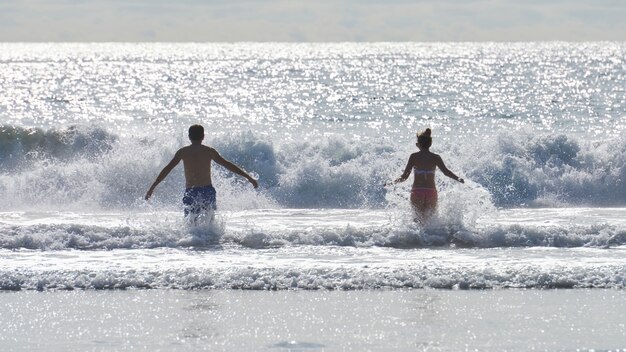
[[79, 167]]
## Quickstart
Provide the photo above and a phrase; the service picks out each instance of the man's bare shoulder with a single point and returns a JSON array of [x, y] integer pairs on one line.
[[207, 149], [183, 151], [199, 149]]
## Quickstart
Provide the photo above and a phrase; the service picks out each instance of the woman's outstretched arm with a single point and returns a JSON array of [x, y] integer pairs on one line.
[[447, 172], [407, 171]]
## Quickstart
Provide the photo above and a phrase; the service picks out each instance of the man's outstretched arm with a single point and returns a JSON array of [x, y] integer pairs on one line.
[[163, 174], [234, 168]]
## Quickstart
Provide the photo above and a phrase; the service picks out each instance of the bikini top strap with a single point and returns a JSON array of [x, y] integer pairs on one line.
[[421, 171]]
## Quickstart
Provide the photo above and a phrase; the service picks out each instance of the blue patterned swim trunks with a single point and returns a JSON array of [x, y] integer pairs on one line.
[[199, 199]]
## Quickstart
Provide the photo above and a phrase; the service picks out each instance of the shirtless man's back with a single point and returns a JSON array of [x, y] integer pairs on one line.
[[199, 192]]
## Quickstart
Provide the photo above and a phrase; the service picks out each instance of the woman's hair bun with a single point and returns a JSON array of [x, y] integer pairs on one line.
[[424, 139]]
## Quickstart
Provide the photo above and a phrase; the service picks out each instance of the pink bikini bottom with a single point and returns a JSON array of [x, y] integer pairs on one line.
[[419, 194]]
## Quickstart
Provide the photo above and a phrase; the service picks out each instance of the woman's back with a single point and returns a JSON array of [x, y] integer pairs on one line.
[[424, 164]]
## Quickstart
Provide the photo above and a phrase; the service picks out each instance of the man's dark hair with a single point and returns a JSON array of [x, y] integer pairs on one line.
[[196, 133]]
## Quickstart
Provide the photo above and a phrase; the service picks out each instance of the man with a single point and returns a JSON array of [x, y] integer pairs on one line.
[[199, 193]]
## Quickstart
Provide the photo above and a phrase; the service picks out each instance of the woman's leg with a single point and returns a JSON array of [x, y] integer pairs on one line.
[[424, 202]]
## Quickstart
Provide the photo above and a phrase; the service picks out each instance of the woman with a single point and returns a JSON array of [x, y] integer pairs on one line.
[[424, 163]]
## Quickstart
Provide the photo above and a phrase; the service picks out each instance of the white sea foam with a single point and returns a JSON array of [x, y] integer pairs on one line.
[[312, 249], [308, 267], [294, 227]]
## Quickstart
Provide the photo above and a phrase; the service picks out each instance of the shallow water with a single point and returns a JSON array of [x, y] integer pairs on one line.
[[400, 320]]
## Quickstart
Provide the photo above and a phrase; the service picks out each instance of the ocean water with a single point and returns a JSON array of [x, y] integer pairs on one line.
[[538, 131]]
